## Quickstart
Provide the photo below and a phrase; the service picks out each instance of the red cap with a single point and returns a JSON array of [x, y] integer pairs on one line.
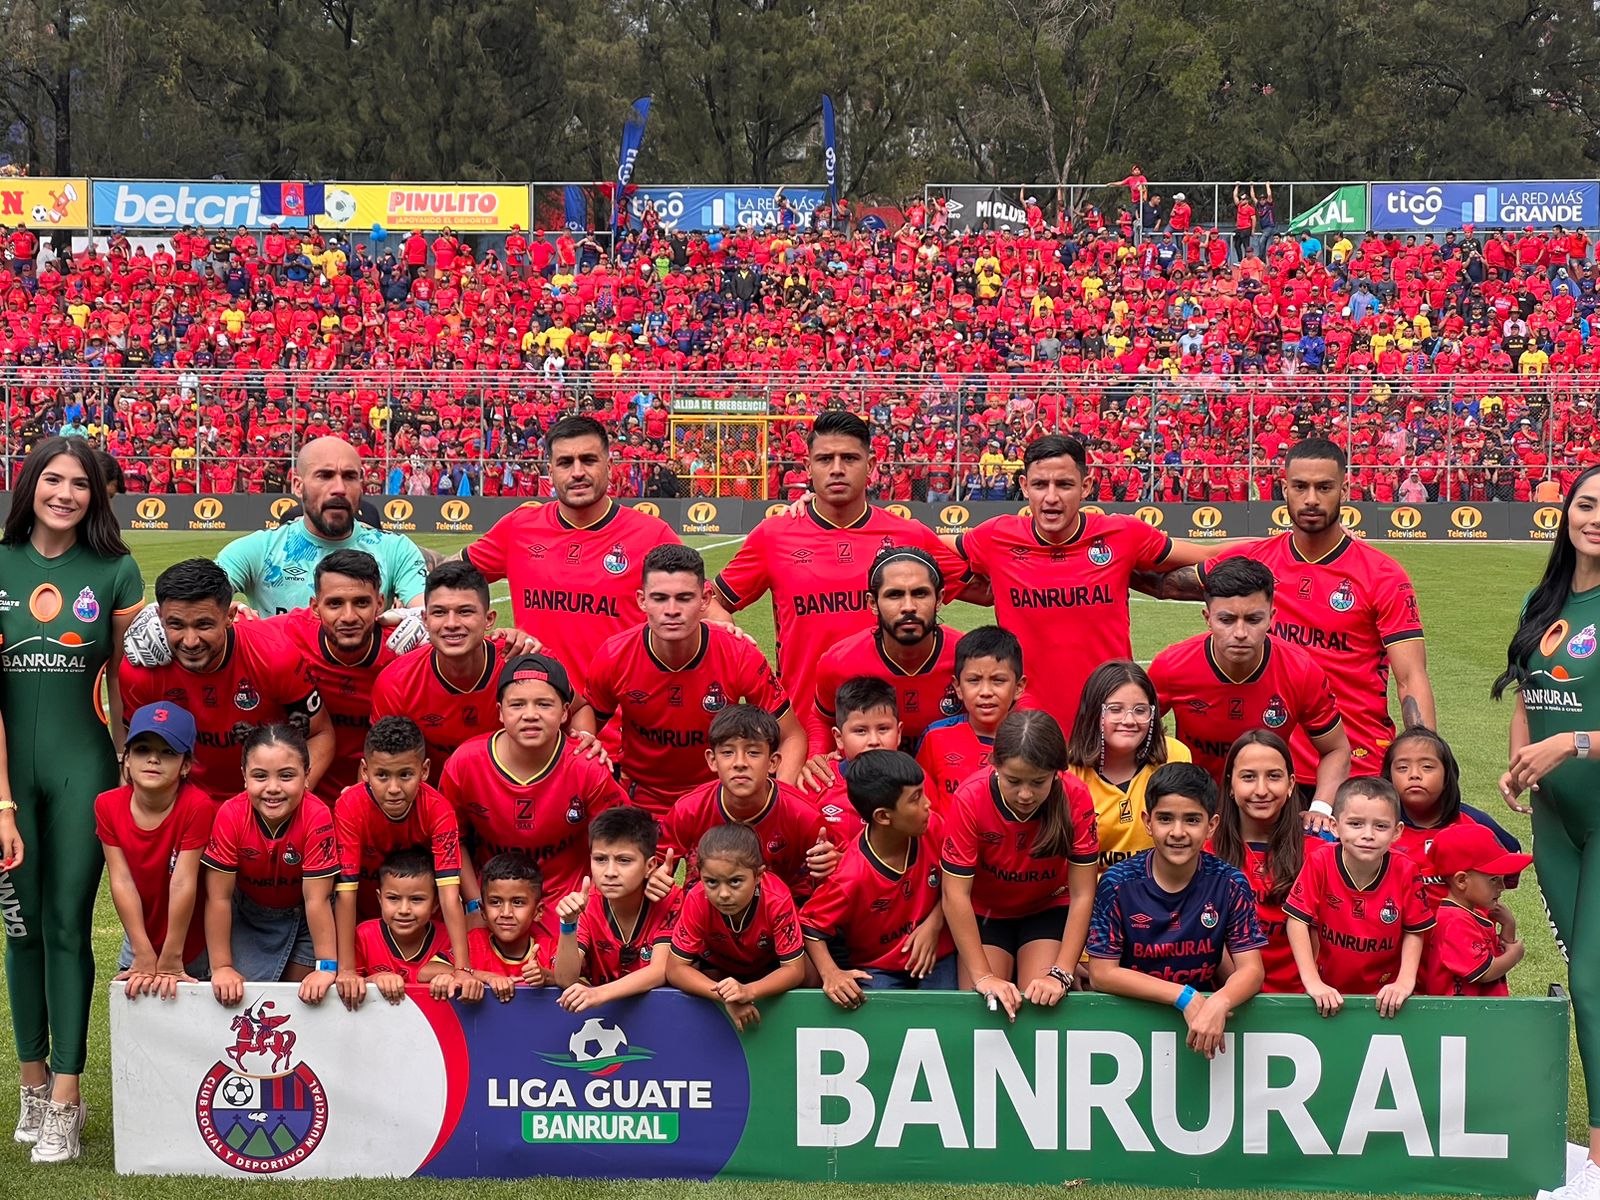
[[1468, 846]]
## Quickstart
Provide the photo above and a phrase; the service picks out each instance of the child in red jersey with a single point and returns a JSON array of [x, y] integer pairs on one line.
[[792, 838], [153, 829], [404, 944], [1357, 911], [1474, 946], [1423, 769], [1260, 832], [271, 863], [989, 680], [511, 949], [1021, 857], [867, 717], [391, 809], [881, 907], [738, 938], [613, 936]]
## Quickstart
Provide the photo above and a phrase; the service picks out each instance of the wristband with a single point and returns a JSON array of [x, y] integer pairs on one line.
[[473, 906], [565, 928], [8, 806], [1185, 998], [331, 965], [1321, 806]]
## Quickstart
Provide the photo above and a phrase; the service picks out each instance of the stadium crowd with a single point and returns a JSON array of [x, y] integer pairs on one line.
[[1187, 356]]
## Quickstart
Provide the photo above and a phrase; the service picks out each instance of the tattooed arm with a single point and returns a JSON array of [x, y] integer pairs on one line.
[[1408, 661]]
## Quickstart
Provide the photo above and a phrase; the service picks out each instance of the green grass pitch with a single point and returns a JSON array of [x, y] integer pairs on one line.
[[1469, 594]]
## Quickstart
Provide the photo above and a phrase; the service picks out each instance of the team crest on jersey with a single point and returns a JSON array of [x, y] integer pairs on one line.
[[87, 609], [950, 703], [616, 559], [291, 857], [246, 697], [574, 811], [777, 845], [933, 877], [715, 699], [1583, 643], [1099, 552], [1276, 714], [1208, 916], [271, 1116], [1389, 914], [764, 942], [1343, 598]]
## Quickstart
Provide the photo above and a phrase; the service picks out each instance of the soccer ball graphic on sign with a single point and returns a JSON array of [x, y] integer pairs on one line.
[[238, 1091], [340, 205], [597, 1039]]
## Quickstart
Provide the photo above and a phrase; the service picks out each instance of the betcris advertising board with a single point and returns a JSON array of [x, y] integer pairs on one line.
[[700, 208], [172, 204], [1419, 207]]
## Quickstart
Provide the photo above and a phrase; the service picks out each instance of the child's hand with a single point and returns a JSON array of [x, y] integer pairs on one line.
[[573, 903], [390, 986], [1506, 919], [503, 986], [468, 986], [227, 985], [1207, 1018], [578, 997], [921, 950], [841, 987], [823, 857], [165, 984], [744, 1015], [315, 986], [533, 973], [351, 987], [1391, 996], [1328, 1000], [659, 882], [731, 991], [1045, 990], [1003, 990]]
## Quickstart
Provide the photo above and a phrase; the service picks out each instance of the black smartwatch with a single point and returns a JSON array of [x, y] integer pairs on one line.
[[1061, 977]]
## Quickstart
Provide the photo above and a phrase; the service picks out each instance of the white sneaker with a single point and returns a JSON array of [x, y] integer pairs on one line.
[[31, 1115], [1585, 1185], [59, 1133]]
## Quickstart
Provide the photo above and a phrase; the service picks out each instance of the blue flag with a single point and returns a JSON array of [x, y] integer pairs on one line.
[[292, 199], [830, 149], [632, 139]]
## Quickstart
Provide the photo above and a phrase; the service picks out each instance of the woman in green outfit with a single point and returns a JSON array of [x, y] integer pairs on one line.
[[1555, 751], [68, 589]]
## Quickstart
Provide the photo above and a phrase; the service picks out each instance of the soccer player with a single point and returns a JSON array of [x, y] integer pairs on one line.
[[1239, 677], [666, 681], [1163, 918], [882, 903], [1357, 911], [1474, 945], [274, 568], [815, 564], [908, 647], [1061, 575], [526, 785], [1350, 605], [233, 676], [989, 681], [571, 564]]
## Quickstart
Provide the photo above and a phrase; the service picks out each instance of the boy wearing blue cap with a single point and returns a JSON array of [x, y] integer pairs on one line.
[[153, 829]]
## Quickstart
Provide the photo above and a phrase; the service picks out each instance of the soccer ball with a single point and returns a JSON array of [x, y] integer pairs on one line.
[[596, 1039], [341, 205], [41, 215], [238, 1092]]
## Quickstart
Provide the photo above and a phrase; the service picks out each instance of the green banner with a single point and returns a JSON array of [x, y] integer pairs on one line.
[[931, 1087], [1344, 209]]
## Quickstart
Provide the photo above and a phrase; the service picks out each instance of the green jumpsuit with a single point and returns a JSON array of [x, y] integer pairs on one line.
[[1562, 695], [55, 639]]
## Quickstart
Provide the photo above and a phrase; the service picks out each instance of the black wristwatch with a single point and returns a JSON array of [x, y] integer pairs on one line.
[[1061, 977]]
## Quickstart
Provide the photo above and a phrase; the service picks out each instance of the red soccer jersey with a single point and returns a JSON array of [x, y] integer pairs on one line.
[[1358, 929], [1276, 957], [413, 686], [378, 954], [609, 951], [817, 574], [345, 688], [261, 679], [950, 754], [788, 826], [666, 713], [152, 855], [748, 947], [837, 813], [547, 815], [1067, 602], [923, 696], [1286, 692], [272, 865], [572, 588], [1347, 609], [487, 956], [367, 835], [876, 906], [1458, 951], [987, 842]]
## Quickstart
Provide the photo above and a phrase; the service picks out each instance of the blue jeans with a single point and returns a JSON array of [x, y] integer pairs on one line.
[[941, 979]]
